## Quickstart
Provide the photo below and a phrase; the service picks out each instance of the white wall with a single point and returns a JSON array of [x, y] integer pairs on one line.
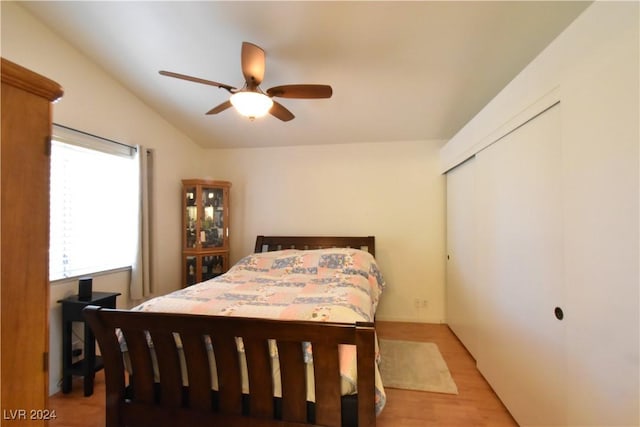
[[94, 102], [391, 190], [592, 69]]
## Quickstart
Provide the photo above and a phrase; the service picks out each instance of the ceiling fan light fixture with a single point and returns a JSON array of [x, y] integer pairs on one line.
[[250, 101], [251, 104]]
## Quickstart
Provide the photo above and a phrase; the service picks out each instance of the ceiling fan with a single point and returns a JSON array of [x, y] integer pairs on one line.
[[250, 100]]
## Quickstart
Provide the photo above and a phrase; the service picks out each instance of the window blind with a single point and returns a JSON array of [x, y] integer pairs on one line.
[[94, 192]]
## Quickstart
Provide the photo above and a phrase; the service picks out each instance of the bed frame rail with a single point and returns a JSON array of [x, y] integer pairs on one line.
[[147, 401], [276, 243]]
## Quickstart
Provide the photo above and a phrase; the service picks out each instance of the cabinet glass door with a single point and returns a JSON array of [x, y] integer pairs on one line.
[[212, 266], [212, 225], [191, 216], [191, 266]]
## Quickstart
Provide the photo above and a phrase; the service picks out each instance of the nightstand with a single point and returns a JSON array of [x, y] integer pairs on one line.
[[90, 363]]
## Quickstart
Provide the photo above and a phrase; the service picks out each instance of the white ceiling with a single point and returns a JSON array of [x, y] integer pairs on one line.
[[399, 70]]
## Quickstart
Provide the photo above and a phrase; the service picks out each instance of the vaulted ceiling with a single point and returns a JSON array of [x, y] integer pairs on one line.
[[399, 70]]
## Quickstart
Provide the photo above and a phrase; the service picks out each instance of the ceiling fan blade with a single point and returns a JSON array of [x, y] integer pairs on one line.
[[280, 112], [197, 80], [219, 108], [253, 63], [301, 91]]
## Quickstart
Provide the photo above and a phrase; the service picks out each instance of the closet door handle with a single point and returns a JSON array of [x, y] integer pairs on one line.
[[559, 313]]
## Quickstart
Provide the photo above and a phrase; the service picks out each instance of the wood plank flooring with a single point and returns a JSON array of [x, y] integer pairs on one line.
[[475, 405]]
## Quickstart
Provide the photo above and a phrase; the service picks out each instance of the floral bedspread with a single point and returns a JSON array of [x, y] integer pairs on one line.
[[333, 285]]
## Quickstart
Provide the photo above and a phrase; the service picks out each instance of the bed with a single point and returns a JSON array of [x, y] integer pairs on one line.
[[284, 338]]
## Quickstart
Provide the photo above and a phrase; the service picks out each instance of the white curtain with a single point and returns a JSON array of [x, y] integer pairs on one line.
[[141, 284]]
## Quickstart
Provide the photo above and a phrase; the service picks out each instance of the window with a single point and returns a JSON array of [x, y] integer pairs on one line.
[[93, 208]]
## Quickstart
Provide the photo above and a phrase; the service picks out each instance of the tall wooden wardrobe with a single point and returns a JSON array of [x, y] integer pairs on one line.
[[24, 267]]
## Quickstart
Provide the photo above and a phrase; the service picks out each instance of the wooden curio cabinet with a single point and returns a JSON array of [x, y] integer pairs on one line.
[[205, 230]]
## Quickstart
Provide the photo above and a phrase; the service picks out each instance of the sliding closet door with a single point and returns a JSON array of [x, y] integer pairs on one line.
[[520, 258], [461, 254]]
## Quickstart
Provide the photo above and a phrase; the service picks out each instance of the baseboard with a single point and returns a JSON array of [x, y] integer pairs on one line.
[[409, 319]]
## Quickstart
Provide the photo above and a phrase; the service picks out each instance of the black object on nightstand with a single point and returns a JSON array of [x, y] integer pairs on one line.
[[87, 367]]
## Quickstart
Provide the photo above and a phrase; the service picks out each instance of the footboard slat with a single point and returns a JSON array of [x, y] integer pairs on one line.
[[195, 354], [229, 379], [260, 378], [366, 355], [292, 378], [168, 368], [327, 378], [141, 365], [113, 363]]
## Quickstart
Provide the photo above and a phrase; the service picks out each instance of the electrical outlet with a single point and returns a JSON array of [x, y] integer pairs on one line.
[[421, 304]]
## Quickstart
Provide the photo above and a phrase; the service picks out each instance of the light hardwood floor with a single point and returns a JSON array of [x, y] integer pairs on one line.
[[475, 405]]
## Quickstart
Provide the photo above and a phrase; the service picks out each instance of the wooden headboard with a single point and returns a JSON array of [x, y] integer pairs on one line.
[[275, 243]]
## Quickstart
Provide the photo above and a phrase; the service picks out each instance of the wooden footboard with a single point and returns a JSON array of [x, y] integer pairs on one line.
[[166, 402]]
